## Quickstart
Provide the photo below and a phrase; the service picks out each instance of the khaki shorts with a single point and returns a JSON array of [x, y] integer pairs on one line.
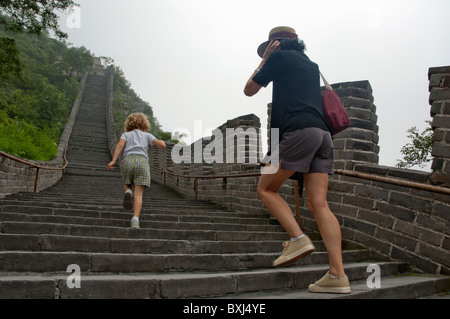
[[309, 150]]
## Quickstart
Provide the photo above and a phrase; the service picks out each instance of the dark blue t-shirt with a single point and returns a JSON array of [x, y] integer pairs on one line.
[[297, 99]]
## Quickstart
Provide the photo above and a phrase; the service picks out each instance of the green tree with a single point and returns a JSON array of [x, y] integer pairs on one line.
[[76, 61], [30, 16], [33, 16], [10, 62], [35, 108], [418, 151]]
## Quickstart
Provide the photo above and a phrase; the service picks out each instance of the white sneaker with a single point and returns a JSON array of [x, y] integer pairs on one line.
[[134, 223]]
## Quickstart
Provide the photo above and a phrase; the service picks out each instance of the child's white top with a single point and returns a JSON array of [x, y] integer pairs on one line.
[[137, 142]]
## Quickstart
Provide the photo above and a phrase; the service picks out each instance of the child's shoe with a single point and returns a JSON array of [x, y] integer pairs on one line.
[[135, 223], [127, 205], [334, 285]]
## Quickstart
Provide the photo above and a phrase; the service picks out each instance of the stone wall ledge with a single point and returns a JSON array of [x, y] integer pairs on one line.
[[388, 171]]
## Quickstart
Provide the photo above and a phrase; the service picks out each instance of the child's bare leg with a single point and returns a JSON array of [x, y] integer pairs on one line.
[[138, 194]]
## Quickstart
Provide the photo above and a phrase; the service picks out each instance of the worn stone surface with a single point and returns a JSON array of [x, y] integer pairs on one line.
[[225, 243]]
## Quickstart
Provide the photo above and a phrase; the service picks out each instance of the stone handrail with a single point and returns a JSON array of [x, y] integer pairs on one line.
[[38, 167]]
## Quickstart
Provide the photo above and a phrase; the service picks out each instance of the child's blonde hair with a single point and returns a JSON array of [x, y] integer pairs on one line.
[[137, 121]]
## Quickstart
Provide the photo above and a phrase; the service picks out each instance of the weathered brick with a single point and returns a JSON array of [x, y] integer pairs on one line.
[[360, 145], [416, 260], [358, 201], [442, 210], [439, 135], [441, 178], [360, 226], [400, 241], [441, 121], [358, 103], [412, 175], [364, 124], [436, 254], [439, 94], [405, 214], [446, 243], [407, 200], [374, 217], [371, 192], [441, 150], [446, 108]]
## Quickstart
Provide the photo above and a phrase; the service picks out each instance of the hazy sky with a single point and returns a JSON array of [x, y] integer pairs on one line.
[[190, 59]]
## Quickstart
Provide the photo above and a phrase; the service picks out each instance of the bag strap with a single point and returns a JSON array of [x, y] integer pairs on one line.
[[327, 85]]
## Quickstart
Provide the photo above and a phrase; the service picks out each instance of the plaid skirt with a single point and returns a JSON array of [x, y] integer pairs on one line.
[[135, 169]]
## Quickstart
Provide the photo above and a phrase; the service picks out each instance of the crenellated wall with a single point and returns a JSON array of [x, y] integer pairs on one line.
[[233, 193], [397, 213]]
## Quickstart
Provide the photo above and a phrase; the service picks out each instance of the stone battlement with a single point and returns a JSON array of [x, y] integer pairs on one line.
[[396, 221]]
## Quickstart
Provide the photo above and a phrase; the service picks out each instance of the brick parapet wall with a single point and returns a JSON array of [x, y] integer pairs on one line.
[[233, 193], [111, 131], [358, 143], [17, 177], [394, 222]]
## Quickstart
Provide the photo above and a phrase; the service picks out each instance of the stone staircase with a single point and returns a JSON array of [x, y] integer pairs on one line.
[[184, 249]]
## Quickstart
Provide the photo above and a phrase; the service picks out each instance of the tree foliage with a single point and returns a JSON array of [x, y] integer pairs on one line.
[[26, 16], [39, 79], [33, 16], [418, 151], [34, 109], [10, 63]]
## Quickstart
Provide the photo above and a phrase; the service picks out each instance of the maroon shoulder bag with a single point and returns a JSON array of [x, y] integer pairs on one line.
[[334, 112]]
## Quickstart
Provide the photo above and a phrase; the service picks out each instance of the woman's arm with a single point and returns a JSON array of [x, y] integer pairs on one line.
[[251, 88]]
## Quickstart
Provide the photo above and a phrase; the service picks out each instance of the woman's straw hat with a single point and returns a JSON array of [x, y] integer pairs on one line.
[[277, 33]]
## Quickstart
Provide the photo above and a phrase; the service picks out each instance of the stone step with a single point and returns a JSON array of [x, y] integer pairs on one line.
[[172, 285], [143, 233], [50, 242], [174, 210], [150, 222], [115, 210], [402, 286], [90, 262]]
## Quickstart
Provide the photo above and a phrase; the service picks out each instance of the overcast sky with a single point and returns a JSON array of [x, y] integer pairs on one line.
[[190, 59]]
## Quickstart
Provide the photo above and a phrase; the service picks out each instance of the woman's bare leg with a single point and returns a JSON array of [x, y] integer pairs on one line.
[[316, 187], [268, 187]]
